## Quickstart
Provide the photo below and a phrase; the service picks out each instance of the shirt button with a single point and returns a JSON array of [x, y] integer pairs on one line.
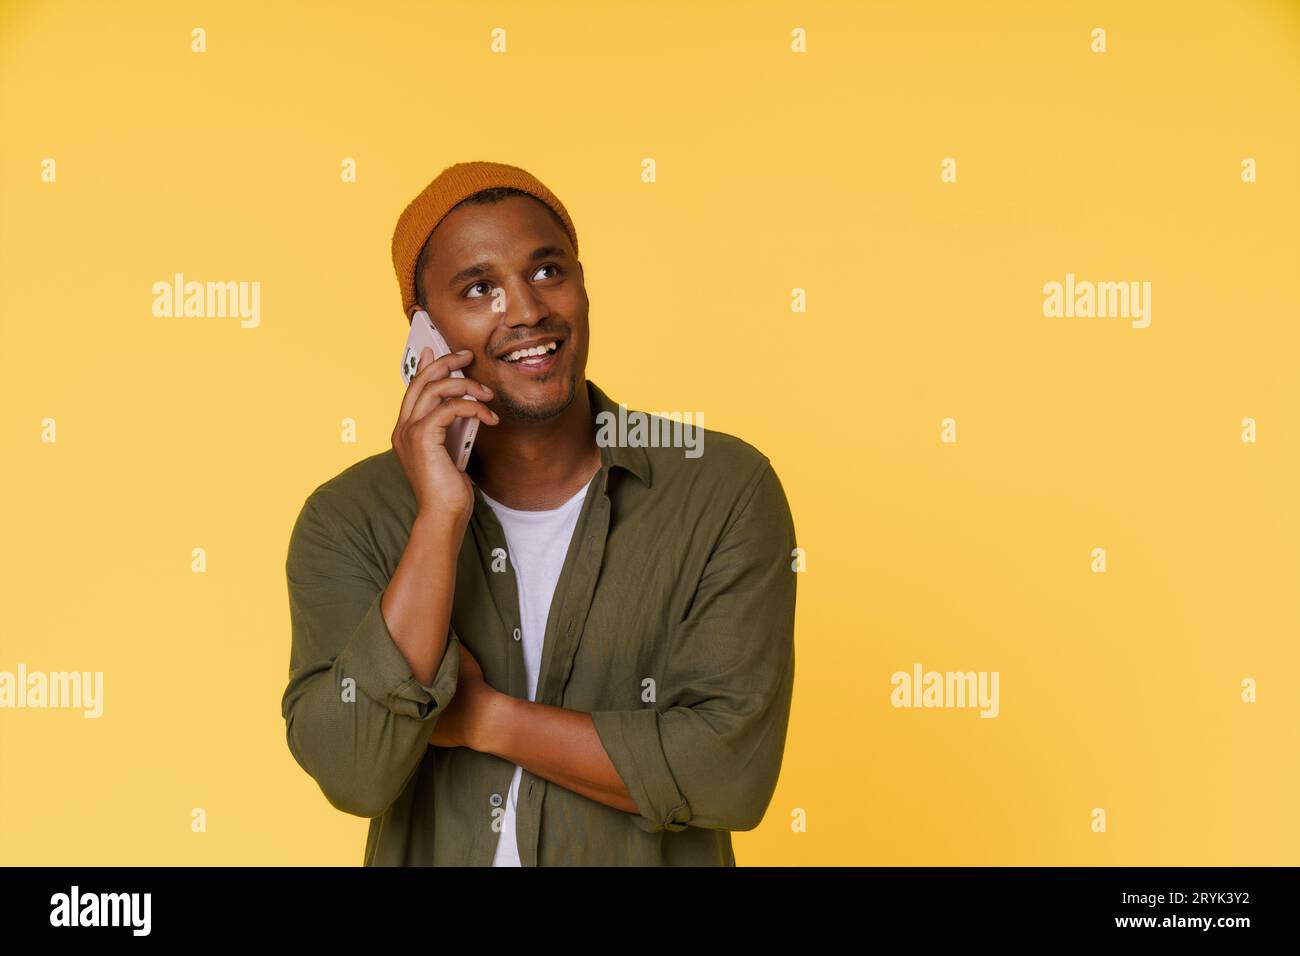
[[495, 800], [516, 634]]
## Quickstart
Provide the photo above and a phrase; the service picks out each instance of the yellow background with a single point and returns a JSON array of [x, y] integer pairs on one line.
[[775, 170]]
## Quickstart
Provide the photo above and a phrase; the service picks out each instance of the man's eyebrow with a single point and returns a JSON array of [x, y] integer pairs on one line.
[[480, 269]]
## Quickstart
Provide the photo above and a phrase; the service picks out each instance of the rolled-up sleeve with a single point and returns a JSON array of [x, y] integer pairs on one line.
[[708, 753], [357, 719]]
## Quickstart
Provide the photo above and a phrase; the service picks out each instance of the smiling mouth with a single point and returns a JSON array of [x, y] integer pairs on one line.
[[537, 359]]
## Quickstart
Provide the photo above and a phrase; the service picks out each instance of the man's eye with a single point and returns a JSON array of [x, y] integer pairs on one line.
[[473, 287], [549, 265]]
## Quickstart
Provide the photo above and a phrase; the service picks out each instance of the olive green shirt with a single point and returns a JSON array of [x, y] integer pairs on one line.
[[672, 624]]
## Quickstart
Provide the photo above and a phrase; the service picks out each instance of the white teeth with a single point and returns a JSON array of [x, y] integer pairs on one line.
[[538, 350]]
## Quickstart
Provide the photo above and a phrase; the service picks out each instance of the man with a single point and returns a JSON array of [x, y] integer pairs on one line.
[[578, 652]]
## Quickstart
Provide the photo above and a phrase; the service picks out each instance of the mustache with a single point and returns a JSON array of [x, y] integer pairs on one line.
[[539, 332]]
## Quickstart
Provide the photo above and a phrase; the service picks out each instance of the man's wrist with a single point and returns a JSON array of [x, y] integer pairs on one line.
[[493, 727], [439, 529]]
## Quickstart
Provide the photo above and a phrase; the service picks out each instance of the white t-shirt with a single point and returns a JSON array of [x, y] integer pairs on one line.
[[537, 542]]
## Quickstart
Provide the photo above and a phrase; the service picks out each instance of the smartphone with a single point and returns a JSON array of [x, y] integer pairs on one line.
[[461, 431]]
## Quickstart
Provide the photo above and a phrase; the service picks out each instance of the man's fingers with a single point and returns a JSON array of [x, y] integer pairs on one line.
[[430, 371], [434, 392], [454, 408]]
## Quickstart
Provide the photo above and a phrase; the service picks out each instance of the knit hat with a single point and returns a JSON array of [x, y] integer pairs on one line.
[[449, 187]]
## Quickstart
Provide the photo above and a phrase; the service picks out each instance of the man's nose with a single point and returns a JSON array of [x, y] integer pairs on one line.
[[523, 306]]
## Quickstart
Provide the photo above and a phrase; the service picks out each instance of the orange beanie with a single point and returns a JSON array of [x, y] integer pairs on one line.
[[449, 187]]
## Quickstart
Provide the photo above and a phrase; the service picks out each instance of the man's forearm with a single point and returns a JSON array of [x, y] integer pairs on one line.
[[555, 744], [417, 601]]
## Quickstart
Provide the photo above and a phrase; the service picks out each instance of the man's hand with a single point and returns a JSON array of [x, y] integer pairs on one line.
[[463, 723], [433, 400]]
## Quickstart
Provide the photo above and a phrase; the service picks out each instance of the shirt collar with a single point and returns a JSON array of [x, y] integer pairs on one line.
[[631, 457]]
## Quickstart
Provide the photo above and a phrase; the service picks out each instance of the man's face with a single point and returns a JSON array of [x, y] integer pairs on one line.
[[502, 277]]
